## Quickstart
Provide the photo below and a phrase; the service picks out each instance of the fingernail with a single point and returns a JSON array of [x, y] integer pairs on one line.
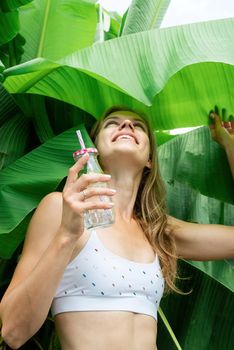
[[112, 190], [110, 205], [107, 176]]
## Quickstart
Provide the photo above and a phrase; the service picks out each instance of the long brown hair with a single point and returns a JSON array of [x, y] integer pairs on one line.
[[150, 205]]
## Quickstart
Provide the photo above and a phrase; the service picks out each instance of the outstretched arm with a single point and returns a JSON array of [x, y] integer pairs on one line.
[[201, 241], [208, 242], [223, 133]]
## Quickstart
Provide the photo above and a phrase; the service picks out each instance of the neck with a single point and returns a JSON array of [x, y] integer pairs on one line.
[[126, 184]]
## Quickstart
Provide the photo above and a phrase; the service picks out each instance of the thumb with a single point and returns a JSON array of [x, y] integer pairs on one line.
[[217, 120]]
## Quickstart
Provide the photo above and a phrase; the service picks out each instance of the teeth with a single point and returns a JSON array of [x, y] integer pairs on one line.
[[126, 137]]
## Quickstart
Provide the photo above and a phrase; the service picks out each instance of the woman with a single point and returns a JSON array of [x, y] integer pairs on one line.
[[105, 285]]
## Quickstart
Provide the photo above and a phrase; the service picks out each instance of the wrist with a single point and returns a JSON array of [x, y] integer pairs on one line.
[[67, 237], [229, 145]]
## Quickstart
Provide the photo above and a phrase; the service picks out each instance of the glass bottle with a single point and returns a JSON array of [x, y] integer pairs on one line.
[[95, 217]]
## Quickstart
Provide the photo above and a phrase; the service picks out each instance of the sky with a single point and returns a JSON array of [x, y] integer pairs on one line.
[[183, 11]]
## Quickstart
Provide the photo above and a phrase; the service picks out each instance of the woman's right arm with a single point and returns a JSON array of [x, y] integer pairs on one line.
[[54, 230], [46, 252]]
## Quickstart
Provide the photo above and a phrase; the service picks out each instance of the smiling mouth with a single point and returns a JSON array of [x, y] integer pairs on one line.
[[126, 138]]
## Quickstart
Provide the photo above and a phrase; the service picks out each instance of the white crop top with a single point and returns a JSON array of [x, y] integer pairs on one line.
[[99, 280]]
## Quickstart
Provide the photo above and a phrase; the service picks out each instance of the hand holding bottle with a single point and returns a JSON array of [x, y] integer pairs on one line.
[[81, 195]]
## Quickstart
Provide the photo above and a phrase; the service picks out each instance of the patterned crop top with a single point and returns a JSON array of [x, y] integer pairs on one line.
[[99, 280]]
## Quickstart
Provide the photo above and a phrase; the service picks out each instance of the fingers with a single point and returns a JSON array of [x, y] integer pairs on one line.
[[221, 131], [96, 198], [87, 180], [87, 186], [216, 118], [89, 198], [80, 208], [96, 192], [84, 180], [75, 169], [221, 119], [97, 205], [84, 188]]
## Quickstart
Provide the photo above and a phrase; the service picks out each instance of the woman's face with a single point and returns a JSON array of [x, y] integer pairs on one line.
[[123, 135]]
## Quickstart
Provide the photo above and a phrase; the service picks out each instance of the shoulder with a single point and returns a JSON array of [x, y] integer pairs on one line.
[[51, 204], [53, 198], [46, 218]]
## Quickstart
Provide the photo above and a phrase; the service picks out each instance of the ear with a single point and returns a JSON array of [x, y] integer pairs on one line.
[[149, 164]]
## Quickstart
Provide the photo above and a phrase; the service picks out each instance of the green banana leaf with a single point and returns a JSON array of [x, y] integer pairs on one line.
[[144, 15], [173, 338], [153, 71], [11, 41], [2, 67], [114, 27], [9, 5], [201, 320], [194, 169], [16, 128], [28, 120], [9, 26], [194, 159], [87, 76], [38, 173], [190, 205], [11, 52], [8, 107], [196, 317], [59, 27], [34, 108], [11, 123]]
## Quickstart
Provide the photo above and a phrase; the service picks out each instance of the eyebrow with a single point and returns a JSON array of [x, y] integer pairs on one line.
[[111, 117]]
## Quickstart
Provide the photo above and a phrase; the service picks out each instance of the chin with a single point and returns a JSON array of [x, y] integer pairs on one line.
[[124, 158]]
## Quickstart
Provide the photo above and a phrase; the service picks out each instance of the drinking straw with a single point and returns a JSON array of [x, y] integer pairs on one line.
[[78, 133]]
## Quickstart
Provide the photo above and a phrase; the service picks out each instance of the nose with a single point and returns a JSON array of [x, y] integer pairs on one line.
[[126, 123]]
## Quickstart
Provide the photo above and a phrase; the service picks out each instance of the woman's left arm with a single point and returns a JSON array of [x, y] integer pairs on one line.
[[208, 242], [201, 241]]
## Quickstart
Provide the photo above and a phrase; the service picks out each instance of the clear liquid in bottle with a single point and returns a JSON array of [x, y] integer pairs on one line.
[[96, 217]]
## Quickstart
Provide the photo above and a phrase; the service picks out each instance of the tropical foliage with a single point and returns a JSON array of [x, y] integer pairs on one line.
[[60, 69]]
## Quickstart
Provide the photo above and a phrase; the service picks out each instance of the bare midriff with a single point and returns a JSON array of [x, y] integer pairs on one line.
[[101, 330]]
